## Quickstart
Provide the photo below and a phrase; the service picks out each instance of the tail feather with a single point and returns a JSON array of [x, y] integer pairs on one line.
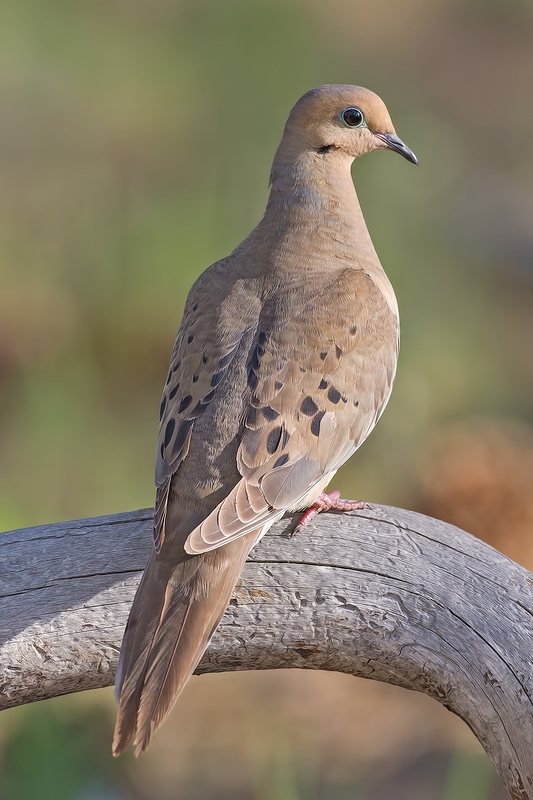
[[137, 643], [175, 612]]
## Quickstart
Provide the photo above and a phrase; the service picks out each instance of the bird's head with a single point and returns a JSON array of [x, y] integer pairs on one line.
[[342, 119]]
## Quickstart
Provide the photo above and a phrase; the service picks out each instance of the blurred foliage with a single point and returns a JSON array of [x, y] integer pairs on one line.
[[135, 146], [478, 475], [60, 751], [468, 778]]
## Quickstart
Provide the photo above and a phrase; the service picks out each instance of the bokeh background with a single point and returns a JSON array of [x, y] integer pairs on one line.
[[135, 143]]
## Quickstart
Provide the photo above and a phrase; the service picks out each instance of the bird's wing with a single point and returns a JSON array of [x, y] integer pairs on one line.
[[317, 386], [199, 362]]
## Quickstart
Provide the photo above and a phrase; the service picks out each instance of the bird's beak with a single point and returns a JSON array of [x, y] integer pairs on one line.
[[393, 142]]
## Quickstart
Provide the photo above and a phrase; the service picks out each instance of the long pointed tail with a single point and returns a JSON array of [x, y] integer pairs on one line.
[[175, 612]]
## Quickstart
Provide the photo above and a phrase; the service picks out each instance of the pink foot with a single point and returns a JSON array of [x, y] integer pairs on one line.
[[325, 502]]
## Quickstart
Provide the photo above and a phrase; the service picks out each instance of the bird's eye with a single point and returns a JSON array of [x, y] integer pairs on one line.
[[353, 117]]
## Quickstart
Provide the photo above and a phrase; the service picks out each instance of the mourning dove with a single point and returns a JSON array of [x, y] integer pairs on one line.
[[282, 366]]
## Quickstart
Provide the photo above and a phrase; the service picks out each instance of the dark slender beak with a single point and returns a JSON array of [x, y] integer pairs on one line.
[[394, 142]]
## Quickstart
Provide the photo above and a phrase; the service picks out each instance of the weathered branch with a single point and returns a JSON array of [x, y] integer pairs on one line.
[[383, 593]]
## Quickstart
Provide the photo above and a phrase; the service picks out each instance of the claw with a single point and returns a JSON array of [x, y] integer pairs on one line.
[[325, 502]]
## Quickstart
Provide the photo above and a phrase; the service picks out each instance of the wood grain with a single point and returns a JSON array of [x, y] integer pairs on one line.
[[382, 593]]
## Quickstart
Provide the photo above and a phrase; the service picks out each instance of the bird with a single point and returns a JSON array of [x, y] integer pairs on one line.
[[283, 363]]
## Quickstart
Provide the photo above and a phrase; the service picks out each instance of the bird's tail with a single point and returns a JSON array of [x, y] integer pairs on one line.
[[175, 612]]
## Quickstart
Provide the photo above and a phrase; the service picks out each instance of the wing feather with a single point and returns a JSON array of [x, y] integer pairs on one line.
[[199, 363]]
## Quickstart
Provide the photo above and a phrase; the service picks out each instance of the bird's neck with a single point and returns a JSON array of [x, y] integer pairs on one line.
[[313, 223], [313, 194]]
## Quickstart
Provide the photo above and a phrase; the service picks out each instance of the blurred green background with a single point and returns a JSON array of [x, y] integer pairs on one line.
[[136, 138]]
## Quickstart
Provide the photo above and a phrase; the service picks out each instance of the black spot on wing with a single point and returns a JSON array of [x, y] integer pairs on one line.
[[286, 437], [334, 395], [185, 403], [217, 377], [269, 413], [308, 407], [315, 425], [181, 437], [281, 460], [323, 384], [323, 356], [273, 440], [190, 337], [162, 407], [174, 392], [169, 430]]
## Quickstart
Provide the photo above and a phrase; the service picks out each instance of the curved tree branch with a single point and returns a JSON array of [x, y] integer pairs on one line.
[[382, 593]]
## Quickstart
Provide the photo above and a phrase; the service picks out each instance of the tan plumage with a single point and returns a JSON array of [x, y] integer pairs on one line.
[[282, 365]]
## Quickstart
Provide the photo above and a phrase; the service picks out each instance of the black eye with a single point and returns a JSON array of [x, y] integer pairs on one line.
[[353, 117]]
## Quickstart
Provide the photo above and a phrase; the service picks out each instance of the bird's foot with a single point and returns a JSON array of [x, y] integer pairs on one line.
[[325, 502]]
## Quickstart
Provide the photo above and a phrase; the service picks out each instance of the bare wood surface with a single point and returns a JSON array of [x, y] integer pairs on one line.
[[382, 593]]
